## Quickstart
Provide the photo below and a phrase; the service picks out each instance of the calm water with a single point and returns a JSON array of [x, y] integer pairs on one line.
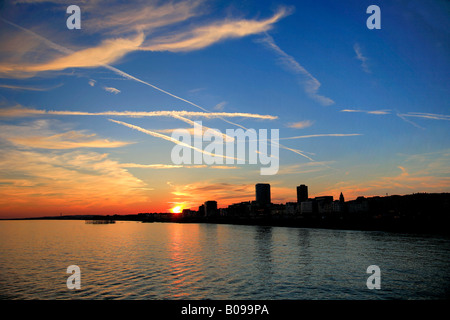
[[131, 260]]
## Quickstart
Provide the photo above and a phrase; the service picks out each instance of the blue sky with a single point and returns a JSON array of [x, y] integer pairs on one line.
[[314, 66]]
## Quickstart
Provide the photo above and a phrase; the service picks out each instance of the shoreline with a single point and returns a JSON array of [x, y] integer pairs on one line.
[[410, 227]]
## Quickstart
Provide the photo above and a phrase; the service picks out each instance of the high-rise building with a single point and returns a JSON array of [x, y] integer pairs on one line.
[[262, 193], [341, 198], [210, 208], [201, 210], [302, 193]]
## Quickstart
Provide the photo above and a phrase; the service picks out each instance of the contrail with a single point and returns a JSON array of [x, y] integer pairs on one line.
[[409, 121], [15, 111], [426, 115], [192, 123], [51, 44], [299, 152], [128, 76], [323, 135], [117, 71], [168, 138]]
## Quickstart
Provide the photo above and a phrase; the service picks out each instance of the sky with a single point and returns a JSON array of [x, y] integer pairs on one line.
[[87, 115]]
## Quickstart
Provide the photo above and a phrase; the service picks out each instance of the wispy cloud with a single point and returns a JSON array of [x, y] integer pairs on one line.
[[323, 135], [49, 182], [309, 83], [375, 112], [175, 166], [39, 135], [92, 82], [122, 18], [27, 88], [223, 192], [205, 36], [123, 74], [112, 90], [67, 140], [312, 84], [420, 115], [404, 116], [150, 166], [416, 173], [110, 50], [220, 106], [300, 124], [430, 116], [361, 58], [301, 168]]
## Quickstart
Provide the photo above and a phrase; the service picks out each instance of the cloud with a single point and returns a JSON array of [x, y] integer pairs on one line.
[[204, 36], [299, 152], [405, 116], [38, 134], [20, 111], [220, 106], [224, 167], [301, 168], [361, 58], [416, 173], [375, 112], [92, 82], [51, 182], [150, 166], [110, 50], [125, 75], [323, 135], [224, 193], [430, 116], [134, 16], [174, 166], [169, 138], [300, 124], [115, 70], [67, 140], [14, 87], [409, 121], [309, 83], [112, 90]]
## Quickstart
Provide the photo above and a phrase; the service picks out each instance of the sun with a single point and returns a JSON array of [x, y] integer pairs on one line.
[[177, 209]]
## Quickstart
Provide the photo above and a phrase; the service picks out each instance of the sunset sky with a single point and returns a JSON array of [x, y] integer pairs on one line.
[[84, 113]]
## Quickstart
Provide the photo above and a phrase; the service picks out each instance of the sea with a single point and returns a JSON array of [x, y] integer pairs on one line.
[[131, 260]]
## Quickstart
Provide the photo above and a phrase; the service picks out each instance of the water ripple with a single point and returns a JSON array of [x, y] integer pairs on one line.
[[131, 260]]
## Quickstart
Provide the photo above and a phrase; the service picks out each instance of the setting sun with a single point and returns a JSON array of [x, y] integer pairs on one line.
[[177, 209]]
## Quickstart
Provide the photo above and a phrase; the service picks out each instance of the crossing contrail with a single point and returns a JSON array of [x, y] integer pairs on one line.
[[130, 77], [169, 138]]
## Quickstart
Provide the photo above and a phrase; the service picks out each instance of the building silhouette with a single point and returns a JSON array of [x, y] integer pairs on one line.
[[262, 193], [302, 193], [210, 208], [201, 210], [341, 198]]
